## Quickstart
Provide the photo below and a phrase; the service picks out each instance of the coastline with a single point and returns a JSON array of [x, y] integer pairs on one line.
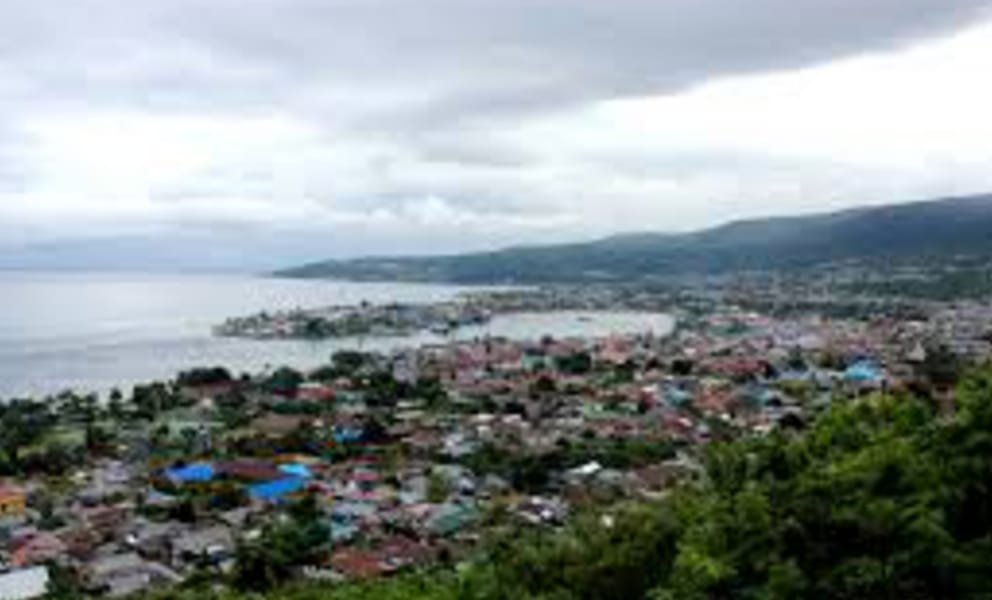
[[111, 330]]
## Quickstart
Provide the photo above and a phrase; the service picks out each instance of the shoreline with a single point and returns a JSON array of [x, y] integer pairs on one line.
[[257, 355]]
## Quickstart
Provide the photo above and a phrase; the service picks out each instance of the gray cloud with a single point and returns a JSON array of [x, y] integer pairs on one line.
[[435, 60], [408, 99]]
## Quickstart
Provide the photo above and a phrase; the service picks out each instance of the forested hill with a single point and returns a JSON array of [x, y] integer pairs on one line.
[[922, 230]]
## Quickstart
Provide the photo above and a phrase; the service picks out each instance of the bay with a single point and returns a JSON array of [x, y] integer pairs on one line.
[[96, 331]]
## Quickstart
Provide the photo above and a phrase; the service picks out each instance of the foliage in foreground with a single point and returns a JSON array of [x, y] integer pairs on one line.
[[880, 498]]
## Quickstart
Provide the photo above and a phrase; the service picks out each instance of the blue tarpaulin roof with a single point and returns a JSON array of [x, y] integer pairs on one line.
[[275, 491], [296, 470], [197, 472]]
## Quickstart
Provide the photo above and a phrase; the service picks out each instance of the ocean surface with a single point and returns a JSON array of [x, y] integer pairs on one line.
[[93, 332]]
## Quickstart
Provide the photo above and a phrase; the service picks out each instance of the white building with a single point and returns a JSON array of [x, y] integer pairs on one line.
[[24, 584]]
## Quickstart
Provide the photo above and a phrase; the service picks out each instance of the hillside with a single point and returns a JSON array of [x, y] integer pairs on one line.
[[914, 231]]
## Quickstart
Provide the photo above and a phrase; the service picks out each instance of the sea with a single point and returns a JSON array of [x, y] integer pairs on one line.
[[92, 332]]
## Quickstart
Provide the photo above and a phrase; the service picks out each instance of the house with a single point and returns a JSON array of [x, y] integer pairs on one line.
[[864, 374], [449, 518], [584, 472], [153, 541], [214, 544], [192, 473], [80, 541], [110, 479], [355, 564], [315, 392], [276, 425], [36, 549], [208, 391], [277, 491], [13, 501], [104, 521], [537, 510], [24, 584], [156, 499], [343, 531], [348, 435], [400, 552], [237, 518], [350, 512], [493, 485], [249, 470], [121, 575]]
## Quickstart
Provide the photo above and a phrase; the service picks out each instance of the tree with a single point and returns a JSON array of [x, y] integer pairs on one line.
[[438, 488], [228, 495], [431, 391], [152, 399], [325, 373], [263, 564], [941, 368], [579, 363], [544, 384], [348, 362], [115, 405], [284, 381], [22, 424], [682, 367], [203, 376]]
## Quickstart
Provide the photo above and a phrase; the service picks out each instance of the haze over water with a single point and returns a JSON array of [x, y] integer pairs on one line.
[[92, 332]]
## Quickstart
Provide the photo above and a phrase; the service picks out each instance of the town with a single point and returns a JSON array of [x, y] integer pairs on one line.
[[364, 320], [379, 463], [468, 309]]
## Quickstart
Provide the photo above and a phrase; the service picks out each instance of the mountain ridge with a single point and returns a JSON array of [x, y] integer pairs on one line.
[[918, 230]]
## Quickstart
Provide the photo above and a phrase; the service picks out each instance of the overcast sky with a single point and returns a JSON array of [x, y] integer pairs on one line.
[[314, 128]]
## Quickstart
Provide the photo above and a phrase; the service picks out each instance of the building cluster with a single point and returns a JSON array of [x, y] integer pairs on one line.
[[396, 461]]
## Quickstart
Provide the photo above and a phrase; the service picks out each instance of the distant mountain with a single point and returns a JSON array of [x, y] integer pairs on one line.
[[198, 251], [916, 231]]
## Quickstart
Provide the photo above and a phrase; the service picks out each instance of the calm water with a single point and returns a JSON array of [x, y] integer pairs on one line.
[[93, 332]]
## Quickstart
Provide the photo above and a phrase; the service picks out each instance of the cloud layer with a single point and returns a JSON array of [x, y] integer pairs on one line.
[[437, 125]]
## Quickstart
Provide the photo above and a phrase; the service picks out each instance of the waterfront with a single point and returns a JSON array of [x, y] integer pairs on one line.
[[98, 331], [567, 402]]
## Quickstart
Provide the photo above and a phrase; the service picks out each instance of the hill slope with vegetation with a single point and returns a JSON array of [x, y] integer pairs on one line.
[[882, 497], [919, 231]]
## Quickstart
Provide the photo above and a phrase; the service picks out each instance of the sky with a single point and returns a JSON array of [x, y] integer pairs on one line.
[[260, 133]]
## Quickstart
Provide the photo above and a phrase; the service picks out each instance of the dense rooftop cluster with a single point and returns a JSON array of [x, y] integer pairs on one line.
[[381, 463]]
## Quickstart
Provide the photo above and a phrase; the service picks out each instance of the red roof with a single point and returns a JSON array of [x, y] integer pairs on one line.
[[9, 490], [249, 470], [316, 393], [36, 549], [357, 565], [365, 476]]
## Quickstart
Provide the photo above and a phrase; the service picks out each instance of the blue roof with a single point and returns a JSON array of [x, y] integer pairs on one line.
[[346, 434], [863, 371], [274, 491], [677, 396], [343, 532], [296, 470], [194, 473]]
